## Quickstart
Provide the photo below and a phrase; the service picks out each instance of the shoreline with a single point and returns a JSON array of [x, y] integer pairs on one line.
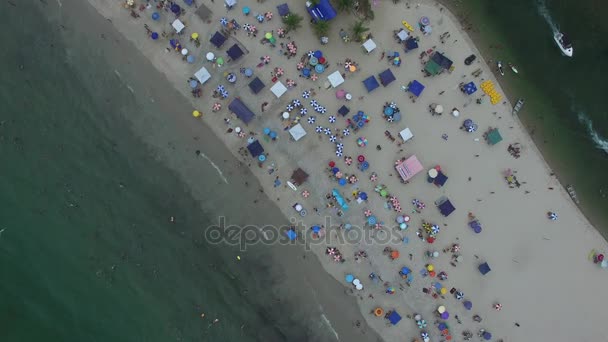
[[462, 14], [333, 268]]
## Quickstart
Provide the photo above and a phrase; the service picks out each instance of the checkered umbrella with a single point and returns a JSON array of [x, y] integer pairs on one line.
[[289, 107], [314, 103], [297, 103], [338, 153], [311, 120], [224, 21], [311, 54], [303, 111], [332, 119], [220, 88], [333, 138], [322, 110], [346, 131], [340, 146], [327, 131], [319, 129], [224, 94], [305, 94]]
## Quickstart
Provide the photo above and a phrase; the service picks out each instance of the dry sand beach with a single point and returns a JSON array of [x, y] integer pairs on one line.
[[540, 273]]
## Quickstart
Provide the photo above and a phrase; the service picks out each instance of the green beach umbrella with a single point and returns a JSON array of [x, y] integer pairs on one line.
[[220, 61]]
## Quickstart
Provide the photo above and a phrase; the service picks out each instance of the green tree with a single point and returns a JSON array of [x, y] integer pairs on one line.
[[292, 21], [359, 29], [344, 5], [321, 27]]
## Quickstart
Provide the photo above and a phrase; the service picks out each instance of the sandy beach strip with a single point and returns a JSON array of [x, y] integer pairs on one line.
[[540, 269]]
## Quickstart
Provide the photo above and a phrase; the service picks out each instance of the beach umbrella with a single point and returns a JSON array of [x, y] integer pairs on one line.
[[313, 61], [290, 83], [310, 54], [190, 59], [322, 110], [361, 158], [319, 68], [314, 77], [332, 138], [352, 179], [246, 10], [364, 166], [348, 160], [193, 84], [311, 120], [390, 290], [280, 31], [262, 157], [260, 18], [296, 102], [319, 129], [266, 59], [367, 213], [445, 315], [314, 103], [487, 336], [300, 66], [442, 326], [196, 114], [175, 8], [220, 61], [459, 295], [338, 153], [346, 131], [184, 52], [327, 131], [305, 193], [467, 304], [224, 94], [335, 170], [253, 29], [154, 36], [155, 16], [342, 182], [388, 111], [340, 146], [363, 196], [497, 306], [268, 35], [425, 21], [273, 135], [303, 111], [289, 107], [349, 278], [268, 15], [373, 177], [216, 106], [318, 54], [306, 72], [220, 88], [371, 220], [339, 174], [306, 94], [332, 119], [455, 113], [223, 21]]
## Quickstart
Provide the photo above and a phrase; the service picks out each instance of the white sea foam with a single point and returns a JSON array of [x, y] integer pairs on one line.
[[600, 142], [544, 12], [219, 171], [331, 328]]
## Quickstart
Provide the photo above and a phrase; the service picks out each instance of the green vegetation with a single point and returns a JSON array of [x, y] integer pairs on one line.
[[358, 30], [321, 27], [344, 5], [292, 22]]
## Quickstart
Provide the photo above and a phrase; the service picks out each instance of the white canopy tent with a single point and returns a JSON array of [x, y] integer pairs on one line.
[[402, 35], [297, 132], [406, 134], [278, 89], [335, 79], [178, 25], [230, 3], [202, 75], [369, 45]]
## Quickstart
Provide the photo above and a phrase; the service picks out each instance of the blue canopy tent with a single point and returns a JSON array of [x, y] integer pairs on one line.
[[416, 88], [371, 83], [343, 110], [340, 199], [256, 85], [469, 88], [321, 11], [484, 268], [394, 317], [440, 179], [446, 208], [283, 10], [386, 77], [188, 2], [235, 52], [411, 43], [241, 110], [442, 60], [292, 235], [255, 148], [218, 39]]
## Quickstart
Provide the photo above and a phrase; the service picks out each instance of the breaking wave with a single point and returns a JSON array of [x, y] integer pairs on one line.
[[600, 142], [544, 12]]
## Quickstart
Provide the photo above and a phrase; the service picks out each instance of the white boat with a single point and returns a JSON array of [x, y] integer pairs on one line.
[[502, 72], [564, 44], [513, 68]]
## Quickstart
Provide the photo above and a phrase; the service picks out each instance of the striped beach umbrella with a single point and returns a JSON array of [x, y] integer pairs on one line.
[[280, 71], [303, 111], [346, 131], [310, 54], [268, 15], [266, 59], [220, 88], [327, 131], [306, 94], [338, 153], [224, 21], [217, 106], [340, 146], [332, 119], [311, 120], [333, 138], [300, 66], [314, 103], [348, 160], [224, 94], [314, 77], [260, 18], [319, 129], [289, 107], [305, 193], [291, 83], [297, 103]]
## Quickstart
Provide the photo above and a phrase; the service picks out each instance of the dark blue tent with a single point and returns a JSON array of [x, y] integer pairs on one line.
[[371, 83], [416, 88], [394, 317], [255, 148], [440, 179], [235, 52], [484, 268], [441, 60], [256, 85], [411, 43], [218, 39], [343, 110], [283, 10], [446, 208], [241, 110], [386, 77], [321, 11], [469, 88]]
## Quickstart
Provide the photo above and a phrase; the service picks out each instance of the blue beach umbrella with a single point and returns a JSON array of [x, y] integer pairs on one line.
[[306, 72], [342, 182], [273, 135], [154, 36], [318, 54], [248, 72], [246, 10], [155, 16], [363, 196], [190, 59], [349, 278], [364, 165], [266, 130], [372, 220], [405, 270], [262, 157], [193, 84], [487, 336], [173, 43], [388, 111], [175, 8], [319, 68], [397, 117], [467, 304]]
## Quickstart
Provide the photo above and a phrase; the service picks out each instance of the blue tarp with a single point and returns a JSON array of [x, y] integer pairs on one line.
[[446, 208], [416, 88], [256, 85], [241, 110], [394, 317], [340, 199], [255, 148], [343, 110], [371, 83], [189, 2], [411, 43], [442, 60], [484, 268], [386, 77], [291, 235], [440, 179], [218, 39], [235, 52], [469, 88], [322, 11], [283, 10]]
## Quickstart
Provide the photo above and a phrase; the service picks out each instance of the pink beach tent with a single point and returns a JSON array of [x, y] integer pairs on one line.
[[409, 168]]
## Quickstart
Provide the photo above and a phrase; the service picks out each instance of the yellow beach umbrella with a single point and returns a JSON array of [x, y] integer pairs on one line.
[[194, 35], [444, 290], [430, 267], [196, 114], [268, 35]]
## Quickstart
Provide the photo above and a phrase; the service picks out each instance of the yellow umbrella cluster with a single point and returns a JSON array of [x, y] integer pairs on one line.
[[488, 88]]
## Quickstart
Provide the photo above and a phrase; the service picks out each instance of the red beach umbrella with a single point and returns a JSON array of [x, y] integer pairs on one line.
[[280, 71], [361, 158], [430, 239], [322, 60], [332, 164]]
